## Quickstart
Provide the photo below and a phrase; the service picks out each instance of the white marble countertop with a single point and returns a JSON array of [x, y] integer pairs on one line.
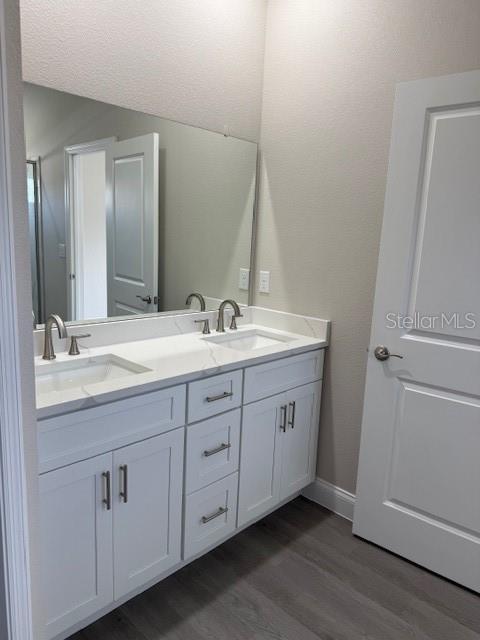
[[172, 360]]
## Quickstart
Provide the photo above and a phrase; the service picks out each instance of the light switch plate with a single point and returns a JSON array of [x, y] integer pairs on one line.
[[62, 253], [244, 279], [264, 282]]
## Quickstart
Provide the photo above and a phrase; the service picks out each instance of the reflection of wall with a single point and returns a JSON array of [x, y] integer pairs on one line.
[[206, 193], [330, 73], [195, 61]]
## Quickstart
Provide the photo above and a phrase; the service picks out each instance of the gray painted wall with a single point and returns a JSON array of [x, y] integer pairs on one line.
[[206, 186], [330, 72]]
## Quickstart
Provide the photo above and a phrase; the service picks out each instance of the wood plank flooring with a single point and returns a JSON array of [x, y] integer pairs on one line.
[[298, 574]]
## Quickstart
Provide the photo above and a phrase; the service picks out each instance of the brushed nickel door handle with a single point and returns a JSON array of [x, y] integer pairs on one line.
[[211, 452], [107, 500], [221, 396], [382, 353], [124, 491], [147, 299], [219, 512], [291, 422], [283, 419]]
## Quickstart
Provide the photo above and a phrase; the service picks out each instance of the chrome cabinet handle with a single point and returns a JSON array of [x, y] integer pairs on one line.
[[219, 512], [382, 353], [107, 500], [283, 419], [124, 491], [207, 453], [291, 422], [147, 299], [221, 396]]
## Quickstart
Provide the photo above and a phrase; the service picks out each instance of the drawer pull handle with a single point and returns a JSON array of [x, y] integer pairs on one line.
[[207, 453], [124, 491], [221, 396], [291, 422], [283, 420], [219, 512], [107, 500]]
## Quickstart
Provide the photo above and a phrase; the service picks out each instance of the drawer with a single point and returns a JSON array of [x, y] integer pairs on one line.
[[214, 395], [210, 515], [89, 432], [213, 448], [280, 375]]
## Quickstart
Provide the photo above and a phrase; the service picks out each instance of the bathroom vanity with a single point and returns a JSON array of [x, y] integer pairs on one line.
[[153, 452]]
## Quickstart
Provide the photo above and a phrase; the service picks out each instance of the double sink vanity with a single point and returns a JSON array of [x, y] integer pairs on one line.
[[158, 442]]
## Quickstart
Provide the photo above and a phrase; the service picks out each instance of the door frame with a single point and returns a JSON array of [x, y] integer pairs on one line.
[[17, 410], [40, 266], [70, 223]]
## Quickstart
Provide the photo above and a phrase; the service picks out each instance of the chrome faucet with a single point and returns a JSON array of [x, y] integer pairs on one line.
[[48, 352], [199, 297], [221, 315]]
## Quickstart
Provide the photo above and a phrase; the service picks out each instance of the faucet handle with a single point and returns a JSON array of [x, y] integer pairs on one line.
[[233, 322], [74, 350], [206, 325]]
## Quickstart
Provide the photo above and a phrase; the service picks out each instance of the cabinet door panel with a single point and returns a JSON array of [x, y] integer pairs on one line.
[[260, 458], [148, 525], [300, 444], [206, 461], [75, 542]]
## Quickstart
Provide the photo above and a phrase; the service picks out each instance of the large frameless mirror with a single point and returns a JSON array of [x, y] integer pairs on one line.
[[130, 212]]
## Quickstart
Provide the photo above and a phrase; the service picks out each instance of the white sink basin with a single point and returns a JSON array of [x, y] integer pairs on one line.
[[59, 376], [249, 340]]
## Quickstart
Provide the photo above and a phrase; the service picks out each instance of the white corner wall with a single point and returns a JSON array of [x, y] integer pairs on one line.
[[330, 72], [195, 61]]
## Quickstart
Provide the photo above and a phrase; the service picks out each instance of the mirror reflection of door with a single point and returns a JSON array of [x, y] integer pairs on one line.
[[112, 215], [35, 226]]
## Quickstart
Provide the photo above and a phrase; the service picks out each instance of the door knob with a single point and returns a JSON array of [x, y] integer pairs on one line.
[[382, 353], [147, 299]]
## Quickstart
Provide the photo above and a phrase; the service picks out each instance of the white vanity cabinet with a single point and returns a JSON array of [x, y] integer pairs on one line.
[[147, 510], [75, 542], [278, 449], [132, 490]]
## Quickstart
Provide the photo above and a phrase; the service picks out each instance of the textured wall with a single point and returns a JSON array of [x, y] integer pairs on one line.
[[195, 61], [330, 73]]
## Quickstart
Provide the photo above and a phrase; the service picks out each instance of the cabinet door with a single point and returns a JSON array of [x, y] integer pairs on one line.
[[147, 515], [75, 542], [260, 457], [299, 452]]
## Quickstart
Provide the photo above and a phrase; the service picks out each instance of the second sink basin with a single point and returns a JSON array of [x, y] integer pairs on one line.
[[59, 376], [249, 340]]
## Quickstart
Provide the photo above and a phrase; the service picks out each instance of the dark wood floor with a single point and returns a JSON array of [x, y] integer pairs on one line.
[[299, 574]]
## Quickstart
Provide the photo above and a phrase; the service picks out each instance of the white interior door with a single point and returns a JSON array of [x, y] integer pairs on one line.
[[418, 490], [132, 225]]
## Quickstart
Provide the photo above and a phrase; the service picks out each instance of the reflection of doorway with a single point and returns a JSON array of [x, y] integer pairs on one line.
[[86, 229], [35, 229]]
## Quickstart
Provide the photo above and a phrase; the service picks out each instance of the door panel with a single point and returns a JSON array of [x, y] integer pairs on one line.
[[132, 225], [147, 525], [449, 224], [260, 458], [76, 543], [418, 470], [431, 472], [300, 443]]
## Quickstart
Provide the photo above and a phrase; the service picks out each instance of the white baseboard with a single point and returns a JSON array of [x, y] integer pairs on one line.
[[331, 497]]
